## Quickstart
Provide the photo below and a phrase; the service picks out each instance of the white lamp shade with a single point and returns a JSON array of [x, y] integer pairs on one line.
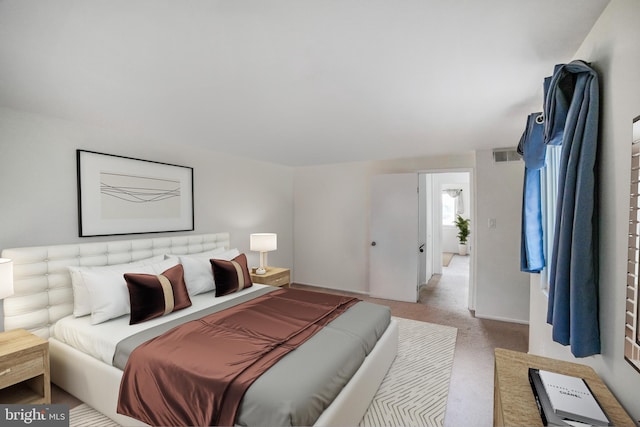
[[263, 242], [6, 278]]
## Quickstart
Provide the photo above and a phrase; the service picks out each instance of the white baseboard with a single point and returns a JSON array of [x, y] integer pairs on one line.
[[501, 319], [331, 288]]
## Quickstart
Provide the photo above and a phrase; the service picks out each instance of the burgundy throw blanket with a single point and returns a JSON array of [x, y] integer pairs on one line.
[[197, 373]]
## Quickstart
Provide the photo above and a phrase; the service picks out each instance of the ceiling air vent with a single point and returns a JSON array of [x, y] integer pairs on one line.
[[501, 155]]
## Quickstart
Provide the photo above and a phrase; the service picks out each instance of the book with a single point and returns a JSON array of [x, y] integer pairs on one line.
[[549, 418], [571, 399]]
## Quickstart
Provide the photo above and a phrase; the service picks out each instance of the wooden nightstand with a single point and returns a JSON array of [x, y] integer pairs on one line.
[[24, 368], [274, 276]]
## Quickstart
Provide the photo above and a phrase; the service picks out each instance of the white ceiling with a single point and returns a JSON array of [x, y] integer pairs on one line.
[[296, 82]]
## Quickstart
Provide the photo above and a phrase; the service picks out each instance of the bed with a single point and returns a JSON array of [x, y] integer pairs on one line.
[[44, 296]]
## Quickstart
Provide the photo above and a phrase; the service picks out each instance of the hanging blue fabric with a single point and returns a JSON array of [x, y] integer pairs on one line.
[[572, 111], [533, 151], [557, 107]]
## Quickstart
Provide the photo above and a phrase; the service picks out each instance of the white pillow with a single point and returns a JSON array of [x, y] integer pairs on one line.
[[227, 255], [81, 301], [198, 275], [108, 291], [207, 254]]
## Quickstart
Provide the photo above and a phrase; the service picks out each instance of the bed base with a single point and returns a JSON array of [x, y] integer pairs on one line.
[[97, 384]]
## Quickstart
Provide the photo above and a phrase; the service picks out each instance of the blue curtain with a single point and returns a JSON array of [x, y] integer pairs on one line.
[[533, 150], [571, 114]]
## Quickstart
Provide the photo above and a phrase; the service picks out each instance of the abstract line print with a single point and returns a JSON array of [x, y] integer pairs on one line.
[[131, 196]]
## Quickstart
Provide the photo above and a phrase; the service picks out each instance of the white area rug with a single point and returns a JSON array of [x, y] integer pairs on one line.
[[413, 393], [85, 416], [415, 390]]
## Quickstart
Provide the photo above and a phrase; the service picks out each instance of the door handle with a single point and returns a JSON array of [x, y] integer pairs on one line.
[[373, 243], [421, 248]]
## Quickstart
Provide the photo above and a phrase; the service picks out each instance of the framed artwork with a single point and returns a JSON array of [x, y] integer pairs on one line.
[[122, 195]]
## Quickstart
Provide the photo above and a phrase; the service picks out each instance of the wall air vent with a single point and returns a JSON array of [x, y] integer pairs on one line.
[[501, 155]]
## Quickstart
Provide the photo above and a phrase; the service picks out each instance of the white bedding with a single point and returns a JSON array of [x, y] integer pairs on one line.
[[100, 341]]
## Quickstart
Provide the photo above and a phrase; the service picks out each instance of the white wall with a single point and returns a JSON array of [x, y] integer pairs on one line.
[[39, 198], [613, 50], [502, 290], [331, 230]]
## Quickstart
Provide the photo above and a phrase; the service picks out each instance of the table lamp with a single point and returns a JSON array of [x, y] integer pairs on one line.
[[263, 243], [6, 278]]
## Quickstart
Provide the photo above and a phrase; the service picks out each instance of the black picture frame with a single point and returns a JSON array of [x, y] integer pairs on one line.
[[120, 195]]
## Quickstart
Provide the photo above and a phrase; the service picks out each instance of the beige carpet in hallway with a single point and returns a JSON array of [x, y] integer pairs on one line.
[[444, 301], [446, 258]]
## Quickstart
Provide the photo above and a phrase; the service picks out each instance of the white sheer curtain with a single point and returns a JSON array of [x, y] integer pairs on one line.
[[456, 193]]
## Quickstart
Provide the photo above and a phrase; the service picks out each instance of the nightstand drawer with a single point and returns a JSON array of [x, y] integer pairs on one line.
[[282, 279], [274, 276], [12, 372]]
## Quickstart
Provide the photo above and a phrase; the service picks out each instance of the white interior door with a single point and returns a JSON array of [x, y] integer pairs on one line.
[[426, 217], [393, 260]]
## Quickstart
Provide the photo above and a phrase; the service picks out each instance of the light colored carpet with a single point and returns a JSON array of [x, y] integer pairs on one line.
[[446, 258], [413, 393]]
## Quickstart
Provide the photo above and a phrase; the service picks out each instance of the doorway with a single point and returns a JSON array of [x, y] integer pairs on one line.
[[443, 196]]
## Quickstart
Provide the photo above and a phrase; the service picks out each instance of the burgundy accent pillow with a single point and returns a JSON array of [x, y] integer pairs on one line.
[[231, 276], [153, 296]]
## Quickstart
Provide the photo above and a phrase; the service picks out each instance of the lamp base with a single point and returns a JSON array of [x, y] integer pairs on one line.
[[261, 270]]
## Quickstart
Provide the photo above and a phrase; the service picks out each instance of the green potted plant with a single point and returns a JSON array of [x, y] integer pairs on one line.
[[463, 233]]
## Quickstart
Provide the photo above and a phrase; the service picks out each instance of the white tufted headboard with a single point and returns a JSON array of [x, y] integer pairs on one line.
[[42, 283]]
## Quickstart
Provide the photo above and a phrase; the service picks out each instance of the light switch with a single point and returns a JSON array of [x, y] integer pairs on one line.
[[492, 223]]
